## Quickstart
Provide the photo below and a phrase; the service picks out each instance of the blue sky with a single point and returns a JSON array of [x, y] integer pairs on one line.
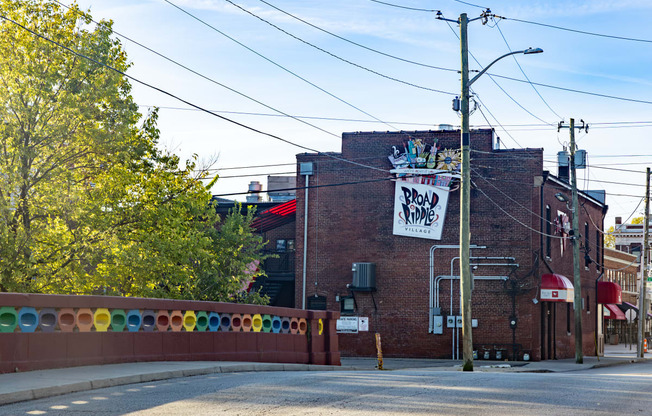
[[571, 60]]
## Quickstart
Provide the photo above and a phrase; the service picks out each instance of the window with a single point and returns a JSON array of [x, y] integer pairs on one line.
[[548, 231], [568, 318], [588, 304], [598, 250], [317, 303], [587, 249], [281, 245], [290, 245], [347, 304]]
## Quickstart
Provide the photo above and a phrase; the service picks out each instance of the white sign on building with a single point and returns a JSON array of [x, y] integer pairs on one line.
[[419, 210], [347, 325]]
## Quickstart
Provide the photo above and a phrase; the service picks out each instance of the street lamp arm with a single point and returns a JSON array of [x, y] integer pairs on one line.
[[525, 52]]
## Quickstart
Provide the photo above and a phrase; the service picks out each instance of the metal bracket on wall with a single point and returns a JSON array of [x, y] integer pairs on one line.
[[370, 290]]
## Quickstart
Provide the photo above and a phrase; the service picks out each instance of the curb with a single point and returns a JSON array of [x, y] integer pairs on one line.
[[100, 383]]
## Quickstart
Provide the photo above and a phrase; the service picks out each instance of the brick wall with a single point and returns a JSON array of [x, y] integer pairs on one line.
[[353, 223]]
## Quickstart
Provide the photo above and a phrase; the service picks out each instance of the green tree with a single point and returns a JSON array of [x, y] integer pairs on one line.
[[63, 119], [609, 239], [88, 201]]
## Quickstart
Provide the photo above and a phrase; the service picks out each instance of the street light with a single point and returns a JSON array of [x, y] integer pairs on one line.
[[527, 51], [465, 190]]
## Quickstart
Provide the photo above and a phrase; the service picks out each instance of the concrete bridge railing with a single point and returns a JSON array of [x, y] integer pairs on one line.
[[51, 331]]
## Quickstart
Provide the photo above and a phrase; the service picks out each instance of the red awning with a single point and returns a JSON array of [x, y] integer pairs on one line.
[[556, 288], [613, 312], [609, 292], [275, 217]]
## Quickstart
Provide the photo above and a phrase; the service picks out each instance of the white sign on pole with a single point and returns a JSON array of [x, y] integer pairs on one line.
[[631, 315], [347, 325], [419, 210]]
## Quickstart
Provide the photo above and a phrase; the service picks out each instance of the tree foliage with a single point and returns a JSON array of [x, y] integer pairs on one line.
[[89, 203]]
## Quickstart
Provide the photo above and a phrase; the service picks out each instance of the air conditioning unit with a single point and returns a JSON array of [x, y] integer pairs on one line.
[[364, 276]]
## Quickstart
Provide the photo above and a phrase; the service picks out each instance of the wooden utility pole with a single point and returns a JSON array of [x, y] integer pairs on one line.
[[465, 203], [642, 304], [577, 280]]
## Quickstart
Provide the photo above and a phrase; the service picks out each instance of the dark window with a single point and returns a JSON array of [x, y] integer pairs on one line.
[[548, 231], [587, 249], [568, 317], [347, 304], [317, 303], [588, 303], [598, 250]]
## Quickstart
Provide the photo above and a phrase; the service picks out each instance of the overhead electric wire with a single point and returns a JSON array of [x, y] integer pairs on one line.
[[281, 113], [611, 233], [516, 219], [470, 4], [356, 43], [181, 99], [583, 32], [247, 175], [498, 85], [292, 116], [277, 64], [256, 166], [595, 94], [497, 26], [337, 56], [543, 127], [404, 7], [330, 185], [477, 174], [594, 125], [495, 119]]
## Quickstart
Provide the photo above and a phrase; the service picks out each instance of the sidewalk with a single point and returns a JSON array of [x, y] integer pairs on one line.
[[16, 387]]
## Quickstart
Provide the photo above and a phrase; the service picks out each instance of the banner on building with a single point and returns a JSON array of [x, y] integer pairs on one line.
[[419, 210]]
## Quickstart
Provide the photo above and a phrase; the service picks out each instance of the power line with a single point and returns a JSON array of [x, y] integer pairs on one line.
[[358, 44], [337, 56], [498, 85], [595, 94], [252, 167], [276, 64], [404, 7], [594, 125], [516, 219], [330, 185], [206, 77], [583, 32], [524, 74], [470, 4], [292, 116], [494, 117], [183, 100], [248, 175]]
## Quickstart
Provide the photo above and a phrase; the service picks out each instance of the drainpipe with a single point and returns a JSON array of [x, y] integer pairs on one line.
[[432, 276], [456, 335], [305, 170], [455, 345]]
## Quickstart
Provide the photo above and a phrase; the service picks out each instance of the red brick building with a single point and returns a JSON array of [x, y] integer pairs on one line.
[[521, 227]]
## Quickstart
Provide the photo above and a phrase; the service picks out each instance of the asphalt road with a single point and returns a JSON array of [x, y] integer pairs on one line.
[[621, 390]]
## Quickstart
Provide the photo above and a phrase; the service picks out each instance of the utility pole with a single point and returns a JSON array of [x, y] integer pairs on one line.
[[575, 238], [642, 305], [577, 281], [465, 204], [465, 181]]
